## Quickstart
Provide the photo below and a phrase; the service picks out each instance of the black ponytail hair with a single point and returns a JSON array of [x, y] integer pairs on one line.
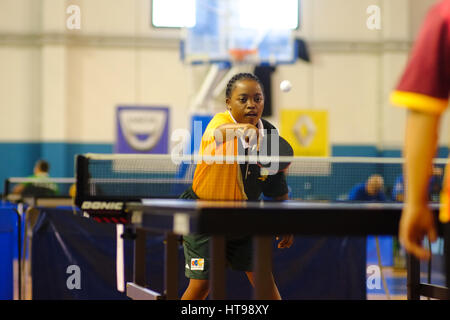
[[238, 77]]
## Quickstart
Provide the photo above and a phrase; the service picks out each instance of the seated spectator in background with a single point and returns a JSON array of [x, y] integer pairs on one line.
[[42, 186], [434, 188], [371, 190], [398, 192], [73, 191]]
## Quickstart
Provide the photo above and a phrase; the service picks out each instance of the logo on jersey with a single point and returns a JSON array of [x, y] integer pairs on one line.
[[197, 264]]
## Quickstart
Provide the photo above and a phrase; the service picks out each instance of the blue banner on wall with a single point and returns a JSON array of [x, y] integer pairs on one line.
[[199, 122], [142, 130]]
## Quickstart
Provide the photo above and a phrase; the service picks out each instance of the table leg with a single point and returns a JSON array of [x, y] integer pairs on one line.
[[139, 257], [171, 266], [262, 266], [447, 254], [413, 277], [217, 269]]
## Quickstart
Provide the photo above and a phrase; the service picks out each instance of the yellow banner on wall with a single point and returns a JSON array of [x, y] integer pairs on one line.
[[306, 131]]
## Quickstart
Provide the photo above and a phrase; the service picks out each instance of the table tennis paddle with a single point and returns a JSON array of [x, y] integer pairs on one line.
[[270, 148]]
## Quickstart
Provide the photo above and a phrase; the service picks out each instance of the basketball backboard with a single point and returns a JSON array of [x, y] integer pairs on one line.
[[261, 31]]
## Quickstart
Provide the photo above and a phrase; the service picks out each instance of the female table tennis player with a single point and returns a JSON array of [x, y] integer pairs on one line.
[[215, 181]]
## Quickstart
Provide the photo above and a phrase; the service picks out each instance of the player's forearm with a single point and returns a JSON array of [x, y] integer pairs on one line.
[[419, 150]]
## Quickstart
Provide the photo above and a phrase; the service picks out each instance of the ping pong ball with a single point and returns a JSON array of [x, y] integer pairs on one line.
[[285, 86]]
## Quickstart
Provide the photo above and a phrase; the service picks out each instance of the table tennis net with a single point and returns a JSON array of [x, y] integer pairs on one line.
[[46, 187], [134, 177]]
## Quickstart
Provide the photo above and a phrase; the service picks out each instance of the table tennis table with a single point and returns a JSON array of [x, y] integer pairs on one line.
[[262, 220], [28, 209]]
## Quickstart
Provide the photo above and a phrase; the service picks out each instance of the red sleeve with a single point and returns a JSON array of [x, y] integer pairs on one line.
[[425, 83]]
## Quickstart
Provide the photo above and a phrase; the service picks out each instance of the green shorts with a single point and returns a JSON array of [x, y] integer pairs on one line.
[[238, 254], [239, 251]]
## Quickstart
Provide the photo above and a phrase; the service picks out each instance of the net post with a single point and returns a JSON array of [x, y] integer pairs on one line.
[[81, 178]]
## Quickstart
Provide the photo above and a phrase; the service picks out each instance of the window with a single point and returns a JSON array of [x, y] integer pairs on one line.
[[255, 14], [268, 14], [173, 13]]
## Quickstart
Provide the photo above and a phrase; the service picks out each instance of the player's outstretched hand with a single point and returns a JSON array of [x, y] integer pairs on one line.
[[251, 134], [286, 241], [416, 223]]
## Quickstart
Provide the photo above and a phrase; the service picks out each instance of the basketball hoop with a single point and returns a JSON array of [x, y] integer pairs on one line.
[[240, 55]]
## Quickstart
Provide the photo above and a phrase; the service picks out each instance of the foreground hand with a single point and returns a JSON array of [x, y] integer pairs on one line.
[[286, 241], [417, 222]]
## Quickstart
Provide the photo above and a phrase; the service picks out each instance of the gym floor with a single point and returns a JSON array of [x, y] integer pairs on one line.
[[396, 283]]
